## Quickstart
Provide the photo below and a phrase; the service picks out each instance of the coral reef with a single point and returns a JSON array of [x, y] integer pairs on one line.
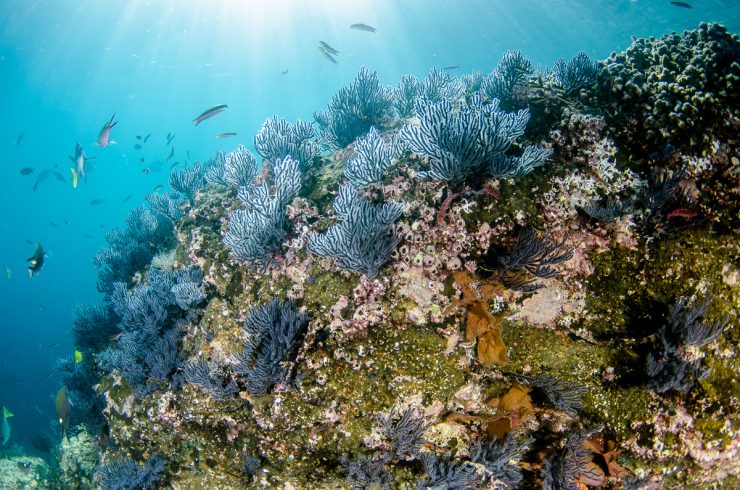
[[403, 342], [679, 90]]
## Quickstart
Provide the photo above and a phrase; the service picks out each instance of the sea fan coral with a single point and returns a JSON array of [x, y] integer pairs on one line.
[[459, 143], [363, 239], [126, 474], [374, 157], [272, 332], [278, 139], [187, 181]]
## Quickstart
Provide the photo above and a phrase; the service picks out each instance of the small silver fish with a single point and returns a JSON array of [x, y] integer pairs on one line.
[[209, 113], [363, 27]]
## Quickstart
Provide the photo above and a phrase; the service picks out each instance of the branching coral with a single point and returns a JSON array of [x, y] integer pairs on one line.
[[363, 239], [405, 435], [460, 143], [368, 473], [354, 109], [446, 473], [273, 330], [278, 139], [580, 72], [374, 157], [126, 474], [501, 460], [669, 366], [531, 257], [258, 231], [187, 181]]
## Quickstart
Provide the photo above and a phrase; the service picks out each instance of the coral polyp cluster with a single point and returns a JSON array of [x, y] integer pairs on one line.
[[481, 299]]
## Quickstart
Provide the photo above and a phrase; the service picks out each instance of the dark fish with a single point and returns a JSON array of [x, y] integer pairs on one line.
[[451, 67], [63, 408], [138, 137], [141, 160], [96, 202], [125, 199], [363, 27], [104, 135], [187, 154], [39, 305], [328, 56], [137, 146], [172, 154], [67, 222], [27, 170], [42, 176], [52, 224], [19, 139], [170, 137], [147, 137], [28, 241], [209, 113], [53, 344], [157, 187], [145, 171], [87, 235], [325, 47], [682, 5], [225, 135], [284, 72], [36, 260]]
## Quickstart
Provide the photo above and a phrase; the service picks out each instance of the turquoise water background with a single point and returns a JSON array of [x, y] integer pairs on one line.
[[67, 66]]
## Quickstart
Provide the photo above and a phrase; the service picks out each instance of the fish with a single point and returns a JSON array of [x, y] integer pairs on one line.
[[328, 56], [67, 222], [96, 202], [187, 154], [145, 171], [138, 137], [170, 137], [45, 174], [53, 225], [209, 113], [225, 135], [284, 72], [36, 260], [172, 154], [137, 146], [53, 344], [125, 199], [104, 135], [64, 407], [87, 235], [147, 137], [451, 67], [157, 187], [325, 47], [682, 5], [78, 357], [7, 270], [78, 171], [39, 305], [28, 241], [141, 160], [27, 170], [19, 139], [363, 27], [5, 429]]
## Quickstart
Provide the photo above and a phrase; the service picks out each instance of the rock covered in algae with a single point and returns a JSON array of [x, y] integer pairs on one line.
[[24, 472]]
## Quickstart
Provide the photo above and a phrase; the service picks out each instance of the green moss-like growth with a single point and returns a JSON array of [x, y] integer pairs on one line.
[[680, 89]]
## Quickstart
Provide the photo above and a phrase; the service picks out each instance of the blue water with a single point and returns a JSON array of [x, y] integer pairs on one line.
[[67, 66]]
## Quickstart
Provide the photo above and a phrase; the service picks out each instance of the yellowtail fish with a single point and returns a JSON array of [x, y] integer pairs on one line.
[[5, 429], [363, 27], [78, 171], [104, 135], [209, 113], [327, 48], [64, 407], [225, 135], [36, 260], [78, 357]]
